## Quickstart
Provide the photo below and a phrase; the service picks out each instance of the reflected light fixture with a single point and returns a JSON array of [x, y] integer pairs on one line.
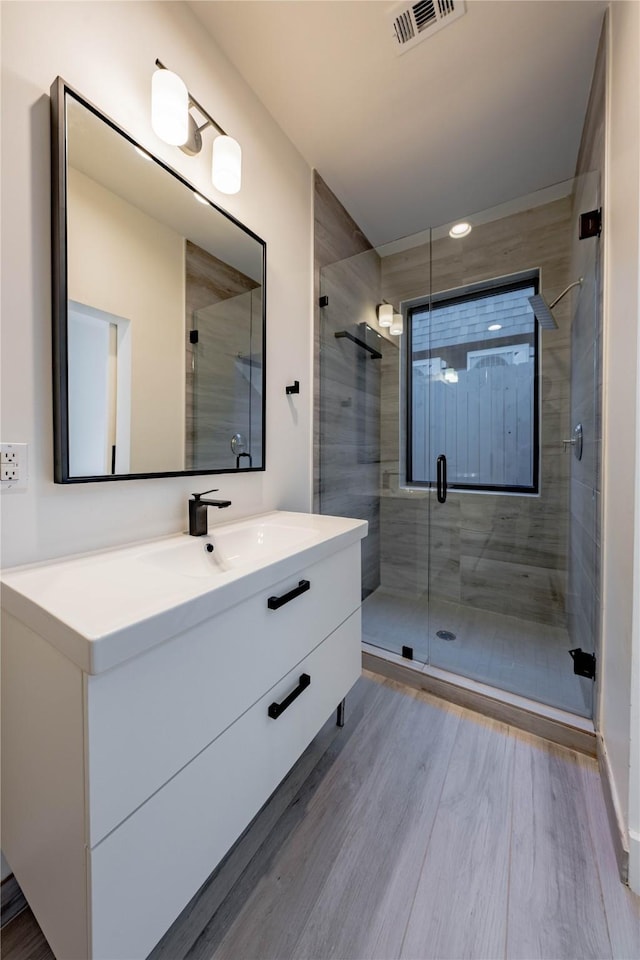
[[143, 153], [385, 314], [494, 326], [450, 375], [397, 327], [173, 121], [459, 230]]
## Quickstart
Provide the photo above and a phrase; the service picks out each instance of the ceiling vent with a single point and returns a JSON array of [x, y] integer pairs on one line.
[[415, 22]]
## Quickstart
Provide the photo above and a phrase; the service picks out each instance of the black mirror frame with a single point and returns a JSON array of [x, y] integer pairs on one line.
[[59, 91]]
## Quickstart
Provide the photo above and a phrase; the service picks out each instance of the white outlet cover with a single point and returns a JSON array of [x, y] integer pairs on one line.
[[14, 454]]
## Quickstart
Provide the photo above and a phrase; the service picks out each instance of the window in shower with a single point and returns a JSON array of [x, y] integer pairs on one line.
[[472, 374]]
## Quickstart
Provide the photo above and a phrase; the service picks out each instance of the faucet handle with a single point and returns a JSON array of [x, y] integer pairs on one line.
[[197, 496]]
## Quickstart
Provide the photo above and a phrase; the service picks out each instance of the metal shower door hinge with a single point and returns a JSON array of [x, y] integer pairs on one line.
[[590, 224], [584, 664]]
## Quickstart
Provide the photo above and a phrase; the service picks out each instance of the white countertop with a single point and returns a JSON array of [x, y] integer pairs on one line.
[[102, 608]]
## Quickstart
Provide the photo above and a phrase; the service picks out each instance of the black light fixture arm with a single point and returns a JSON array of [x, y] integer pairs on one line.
[[195, 103]]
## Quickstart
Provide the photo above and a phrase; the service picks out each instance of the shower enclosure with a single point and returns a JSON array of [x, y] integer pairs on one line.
[[457, 441], [224, 425]]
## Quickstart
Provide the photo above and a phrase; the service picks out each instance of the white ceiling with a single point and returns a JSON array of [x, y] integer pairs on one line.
[[487, 109]]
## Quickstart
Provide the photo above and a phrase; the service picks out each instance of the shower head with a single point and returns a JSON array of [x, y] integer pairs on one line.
[[543, 312], [542, 309]]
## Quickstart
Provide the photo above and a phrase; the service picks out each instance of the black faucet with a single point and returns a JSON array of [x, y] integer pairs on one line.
[[198, 512]]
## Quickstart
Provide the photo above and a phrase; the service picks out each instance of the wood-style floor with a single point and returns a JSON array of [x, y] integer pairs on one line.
[[423, 831]]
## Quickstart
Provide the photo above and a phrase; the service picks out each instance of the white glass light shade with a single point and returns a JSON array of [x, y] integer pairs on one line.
[[397, 327], [450, 375], [169, 107], [226, 166], [385, 314]]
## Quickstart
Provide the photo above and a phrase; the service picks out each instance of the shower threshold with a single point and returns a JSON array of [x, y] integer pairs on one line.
[[559, 726]]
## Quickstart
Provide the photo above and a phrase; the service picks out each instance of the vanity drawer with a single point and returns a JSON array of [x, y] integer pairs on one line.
[[151, 715], [143, 875]]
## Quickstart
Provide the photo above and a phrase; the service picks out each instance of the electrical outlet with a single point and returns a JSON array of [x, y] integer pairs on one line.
[[13, 467]]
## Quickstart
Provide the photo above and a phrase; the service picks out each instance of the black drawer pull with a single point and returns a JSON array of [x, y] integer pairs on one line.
[[275, 602], [275, 709]]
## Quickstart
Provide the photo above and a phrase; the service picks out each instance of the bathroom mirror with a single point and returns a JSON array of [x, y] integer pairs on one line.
[[158, 313]]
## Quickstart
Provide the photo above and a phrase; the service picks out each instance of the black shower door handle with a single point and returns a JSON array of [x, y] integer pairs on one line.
[[441, 478]]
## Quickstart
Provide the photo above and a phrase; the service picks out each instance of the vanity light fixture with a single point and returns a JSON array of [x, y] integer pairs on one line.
[[494, 326], [173, 121], [169, 107], [385, 314], [450, 375], [397, 326], [459, 230]]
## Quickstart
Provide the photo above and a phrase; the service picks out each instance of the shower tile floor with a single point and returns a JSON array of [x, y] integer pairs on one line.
[[523, 657]]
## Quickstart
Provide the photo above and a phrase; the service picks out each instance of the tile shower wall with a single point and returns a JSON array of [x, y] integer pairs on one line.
[[225, 336], [586, 383], [347, 397], [502, 553]]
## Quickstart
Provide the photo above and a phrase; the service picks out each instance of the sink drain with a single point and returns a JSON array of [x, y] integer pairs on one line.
[[445, 635]]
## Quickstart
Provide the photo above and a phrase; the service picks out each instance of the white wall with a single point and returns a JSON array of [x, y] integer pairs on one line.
[[619, 709], [106, 50]]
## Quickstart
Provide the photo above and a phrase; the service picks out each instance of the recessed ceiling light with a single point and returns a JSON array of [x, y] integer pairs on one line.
[[460, 230], [495, 326], [200, 198], [143, 153]]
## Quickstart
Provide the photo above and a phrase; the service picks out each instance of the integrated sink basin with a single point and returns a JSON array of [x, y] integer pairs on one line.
[[257, 542], [104, 608], [232, 546]]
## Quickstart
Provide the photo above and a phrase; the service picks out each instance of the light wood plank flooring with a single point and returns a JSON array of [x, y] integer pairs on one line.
[[422, 831]]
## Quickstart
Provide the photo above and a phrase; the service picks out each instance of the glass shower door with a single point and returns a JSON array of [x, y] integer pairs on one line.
[[491, 572], [473, 388], [349, 411], [500, 375], [359, 446]]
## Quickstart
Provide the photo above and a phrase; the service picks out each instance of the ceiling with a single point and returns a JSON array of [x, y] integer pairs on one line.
[[487, 109]]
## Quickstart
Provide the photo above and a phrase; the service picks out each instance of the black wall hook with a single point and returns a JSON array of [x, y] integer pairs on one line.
[[294, 387]]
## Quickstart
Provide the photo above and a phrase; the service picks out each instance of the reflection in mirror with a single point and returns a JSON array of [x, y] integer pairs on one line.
[[159, 327]]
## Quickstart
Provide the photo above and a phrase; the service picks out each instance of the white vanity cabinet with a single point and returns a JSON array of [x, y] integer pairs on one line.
[[123, 789]]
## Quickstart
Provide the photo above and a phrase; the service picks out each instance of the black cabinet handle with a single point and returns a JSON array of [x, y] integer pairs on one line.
[[277, 709], [275, 602], [441, 478]]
